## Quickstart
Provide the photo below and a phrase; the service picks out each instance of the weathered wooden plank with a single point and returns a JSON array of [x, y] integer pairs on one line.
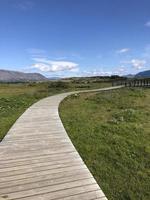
[[38, 167], [45, 176], [38, 160], [40, 164], [42, 159], [45, 166], [42, 172], [33, 152], [84, 196], [62, 194], [52, 188], [44, 182], [39, 156]]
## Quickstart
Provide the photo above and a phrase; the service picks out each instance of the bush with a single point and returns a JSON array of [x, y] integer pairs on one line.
[[58, 84]]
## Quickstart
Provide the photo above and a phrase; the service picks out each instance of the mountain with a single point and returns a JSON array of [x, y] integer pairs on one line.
[[54, 78], [15, 76], [144, 74], [129, 76]]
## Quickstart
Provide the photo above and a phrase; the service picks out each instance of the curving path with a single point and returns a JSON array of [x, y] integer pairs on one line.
[[38, 160]]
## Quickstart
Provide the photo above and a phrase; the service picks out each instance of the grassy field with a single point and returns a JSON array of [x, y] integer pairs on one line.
[[16, 98], [111, 131]]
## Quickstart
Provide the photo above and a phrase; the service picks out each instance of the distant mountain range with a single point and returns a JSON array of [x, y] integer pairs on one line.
[[144, 74], [129, 76], [15, 76]]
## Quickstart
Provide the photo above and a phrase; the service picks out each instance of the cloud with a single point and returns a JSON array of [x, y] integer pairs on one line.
[[46, 65], [75, 70], [100, 72], [121, 70], [137, 63], [147, 24], [96, 73], [124, 50], [41, 66]]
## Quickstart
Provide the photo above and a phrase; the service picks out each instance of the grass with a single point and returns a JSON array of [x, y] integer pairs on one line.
[[111, 131], [16, 98]]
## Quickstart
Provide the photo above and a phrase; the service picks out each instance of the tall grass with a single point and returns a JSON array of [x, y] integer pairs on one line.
[[111, 131], [16, 98]]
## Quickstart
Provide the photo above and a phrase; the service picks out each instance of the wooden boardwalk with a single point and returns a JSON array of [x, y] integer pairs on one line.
[[39, 162]]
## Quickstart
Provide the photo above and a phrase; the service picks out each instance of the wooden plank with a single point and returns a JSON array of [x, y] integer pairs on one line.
[[38, 167], [50, 189], [41, 159], [62, 194], [45, 176], [39, 156], [44, 182], [41, 172], [38, 160]]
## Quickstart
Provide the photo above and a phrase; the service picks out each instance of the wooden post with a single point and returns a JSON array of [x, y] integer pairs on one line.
[[140, 83]]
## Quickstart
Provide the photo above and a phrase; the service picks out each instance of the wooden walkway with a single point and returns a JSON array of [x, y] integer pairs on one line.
[[39, 162]]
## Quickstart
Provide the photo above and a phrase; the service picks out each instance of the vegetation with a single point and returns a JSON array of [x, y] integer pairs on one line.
[[16, 98], [111, 131]]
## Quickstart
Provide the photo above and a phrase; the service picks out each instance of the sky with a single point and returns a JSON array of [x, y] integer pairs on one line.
[[75, 37]]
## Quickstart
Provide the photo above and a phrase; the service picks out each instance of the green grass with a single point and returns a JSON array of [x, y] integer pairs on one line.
[[16, 98], [111, 131]]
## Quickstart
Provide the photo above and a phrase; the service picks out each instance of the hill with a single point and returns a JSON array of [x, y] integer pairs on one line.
[[15, 76], [144, 74]]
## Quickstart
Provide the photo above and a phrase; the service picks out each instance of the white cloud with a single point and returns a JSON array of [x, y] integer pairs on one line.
[[137, 63], [124, 50], [41, 66], [147, 24], [46, 65], [96, 73], [121, 69], [75, 70]]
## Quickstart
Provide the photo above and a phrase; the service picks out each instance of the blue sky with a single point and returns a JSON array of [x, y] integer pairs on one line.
[[75, 37]]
